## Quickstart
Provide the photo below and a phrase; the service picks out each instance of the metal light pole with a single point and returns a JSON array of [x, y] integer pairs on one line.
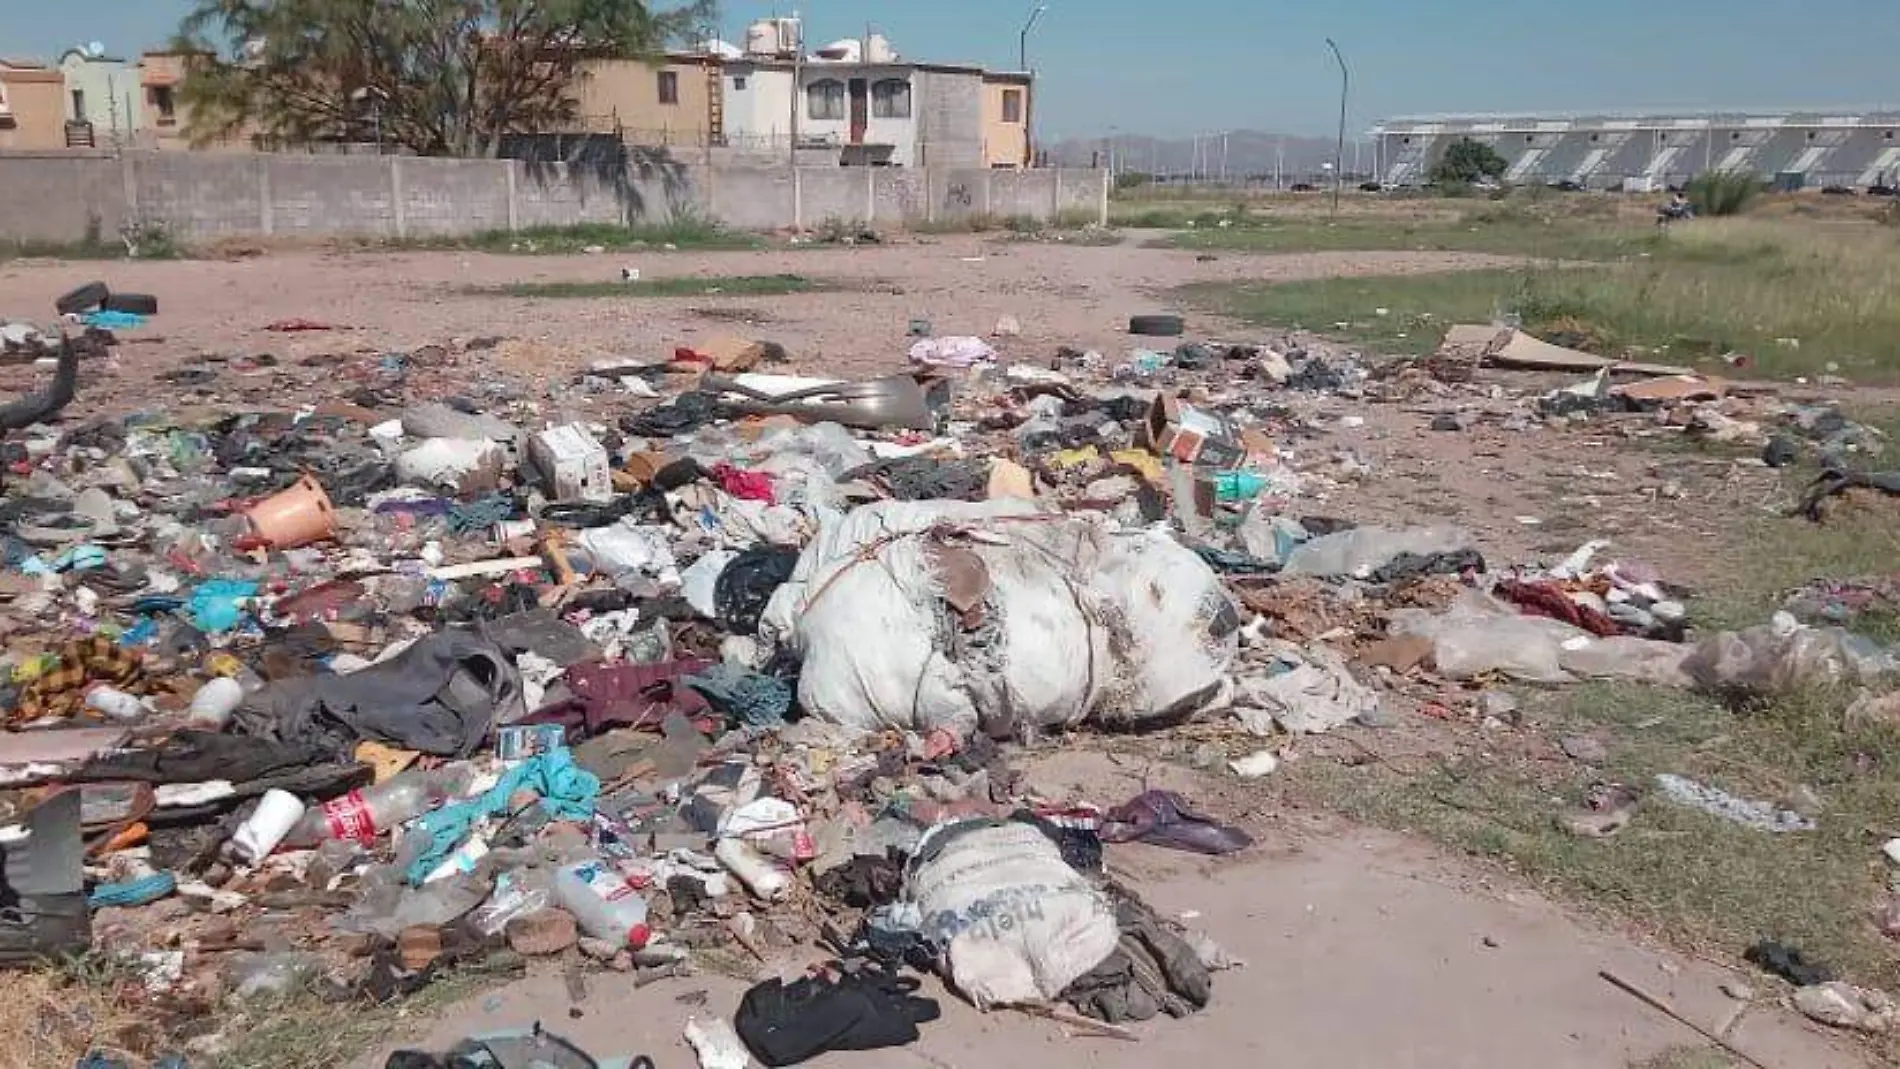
[[1339, 149], [1022, 40], [1029, 97]]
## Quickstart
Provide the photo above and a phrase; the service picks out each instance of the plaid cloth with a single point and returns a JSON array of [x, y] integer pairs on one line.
[[61, 691]]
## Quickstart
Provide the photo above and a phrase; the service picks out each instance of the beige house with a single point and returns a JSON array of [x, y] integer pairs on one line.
[[32, 106], [676, 101], [1006, 104], [160, 76]]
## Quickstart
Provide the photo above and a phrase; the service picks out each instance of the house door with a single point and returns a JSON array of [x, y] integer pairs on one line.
[[860, 109]]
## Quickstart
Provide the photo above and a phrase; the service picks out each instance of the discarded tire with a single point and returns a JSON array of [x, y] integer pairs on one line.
[[1156, 326], [143, 304], [83, 299]]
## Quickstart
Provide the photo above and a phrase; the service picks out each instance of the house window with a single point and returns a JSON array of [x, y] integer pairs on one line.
[[669, 87], [1012, 105], [163, 103], [79, 105], [738, 84], [890, 99], [825, 99]]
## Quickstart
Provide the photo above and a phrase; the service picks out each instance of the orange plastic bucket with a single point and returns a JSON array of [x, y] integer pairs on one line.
[[296, 516]]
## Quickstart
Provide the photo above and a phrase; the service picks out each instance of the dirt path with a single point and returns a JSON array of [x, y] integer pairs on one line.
[[1364, 951]]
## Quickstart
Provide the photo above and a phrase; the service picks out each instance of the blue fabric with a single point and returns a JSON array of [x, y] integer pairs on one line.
[[133, 893], [567, 793], [215, 604], [105, 320], [752, 699]]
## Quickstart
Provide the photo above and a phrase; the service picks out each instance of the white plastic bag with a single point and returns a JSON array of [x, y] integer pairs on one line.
[[1363, 550], [1016, 922]]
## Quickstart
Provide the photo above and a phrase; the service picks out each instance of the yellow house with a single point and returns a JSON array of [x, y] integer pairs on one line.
[[32, 106], [1006, 115], [676, 101], [167, 119]]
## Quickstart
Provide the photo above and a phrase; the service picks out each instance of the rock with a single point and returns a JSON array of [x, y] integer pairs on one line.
[[1583, 748], [1274, 367], [1491, 942], [1842, 1005], [417, 947], [543, 932], [1207, 756], [1499, 704], [1255, 765], [1738, 991], [1450, 421], [1887, 919]]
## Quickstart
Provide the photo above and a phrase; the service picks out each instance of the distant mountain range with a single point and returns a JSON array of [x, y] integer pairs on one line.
[[1249, 154]]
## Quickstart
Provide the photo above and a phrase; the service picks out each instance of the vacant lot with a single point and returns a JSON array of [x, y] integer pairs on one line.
[[1365, 947]]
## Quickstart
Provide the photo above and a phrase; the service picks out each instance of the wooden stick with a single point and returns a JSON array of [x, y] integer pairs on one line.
[[1669, 1011], [1076, 1020]]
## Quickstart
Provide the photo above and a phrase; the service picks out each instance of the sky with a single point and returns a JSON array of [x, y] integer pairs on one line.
[[1179, 67]]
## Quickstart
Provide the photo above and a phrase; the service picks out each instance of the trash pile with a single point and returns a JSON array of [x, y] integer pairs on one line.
[[364, 691]]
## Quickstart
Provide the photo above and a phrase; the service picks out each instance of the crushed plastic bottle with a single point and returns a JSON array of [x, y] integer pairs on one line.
[[365, 814]]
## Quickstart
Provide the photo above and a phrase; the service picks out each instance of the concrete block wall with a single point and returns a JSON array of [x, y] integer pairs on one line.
[[949, 105], [58, 196]]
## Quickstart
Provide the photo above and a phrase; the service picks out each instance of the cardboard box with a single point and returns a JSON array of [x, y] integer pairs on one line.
[[1191, 435], [572, 463]]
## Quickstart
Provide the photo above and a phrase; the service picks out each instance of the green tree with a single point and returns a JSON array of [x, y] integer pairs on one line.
[[439, 77], [1466, 161]]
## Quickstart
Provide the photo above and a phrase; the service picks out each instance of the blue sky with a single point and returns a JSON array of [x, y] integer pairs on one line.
[[1184, 66]]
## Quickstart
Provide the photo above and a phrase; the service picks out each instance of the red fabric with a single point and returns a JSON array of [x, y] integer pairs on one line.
[[746, 485], [1549, 600]]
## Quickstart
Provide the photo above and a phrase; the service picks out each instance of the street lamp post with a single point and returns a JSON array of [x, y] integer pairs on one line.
[[1339, 149], [1029, 97]]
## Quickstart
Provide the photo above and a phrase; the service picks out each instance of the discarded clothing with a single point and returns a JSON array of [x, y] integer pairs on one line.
[[623, 695], [567, 793], [1152, 971], [749, 698], [745, 485], [189, 756], [927, 478], [1759, 815], [786, 1024], [747, 584], [687, 412], [1788, 963], [440, 696], [1408, 566], [1548, 600], [61, 690], [1164, 818], [862, 882]]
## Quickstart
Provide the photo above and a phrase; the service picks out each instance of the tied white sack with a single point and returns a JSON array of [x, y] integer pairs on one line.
[[1067, 619], [1015, 923]]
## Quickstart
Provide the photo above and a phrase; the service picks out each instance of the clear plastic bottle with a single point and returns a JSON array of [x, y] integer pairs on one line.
[[363, 815], [603, 903]]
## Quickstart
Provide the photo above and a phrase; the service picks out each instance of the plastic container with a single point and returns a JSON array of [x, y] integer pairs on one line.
[[294, 517], [276, 813], [764, 879], [365, 814], [516, 894], [212, 706], [117, 704], [603, 903]]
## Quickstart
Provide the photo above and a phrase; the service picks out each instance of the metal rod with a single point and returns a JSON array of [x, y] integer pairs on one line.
[[1669, 1011]]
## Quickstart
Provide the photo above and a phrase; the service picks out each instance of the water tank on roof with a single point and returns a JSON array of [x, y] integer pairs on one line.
[[878, 49], [761, 38], [843, 51]]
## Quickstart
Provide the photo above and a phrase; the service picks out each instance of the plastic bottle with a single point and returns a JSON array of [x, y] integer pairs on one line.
[[365, 814], [117, 704], [212, 706], [516, 894], [603, 903]]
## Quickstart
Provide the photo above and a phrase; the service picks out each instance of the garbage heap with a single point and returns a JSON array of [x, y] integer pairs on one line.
[[396, 681]]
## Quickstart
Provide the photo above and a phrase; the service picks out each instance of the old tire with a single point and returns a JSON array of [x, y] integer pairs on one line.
[[84, 299], [1156, 326], [142, 304]]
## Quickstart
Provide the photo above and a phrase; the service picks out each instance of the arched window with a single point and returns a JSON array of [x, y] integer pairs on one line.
[[825, 99], [890, 99]]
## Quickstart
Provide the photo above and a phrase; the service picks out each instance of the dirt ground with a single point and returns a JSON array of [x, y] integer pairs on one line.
[[1364, 949]]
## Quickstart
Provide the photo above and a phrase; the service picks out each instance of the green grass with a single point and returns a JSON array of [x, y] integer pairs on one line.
[[1695, 880], [1796, 296], [686, 233], [18, 249], [684, 286]]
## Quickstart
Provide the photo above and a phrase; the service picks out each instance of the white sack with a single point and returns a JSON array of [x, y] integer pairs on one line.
[[1017, 923], [1079, 620]]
